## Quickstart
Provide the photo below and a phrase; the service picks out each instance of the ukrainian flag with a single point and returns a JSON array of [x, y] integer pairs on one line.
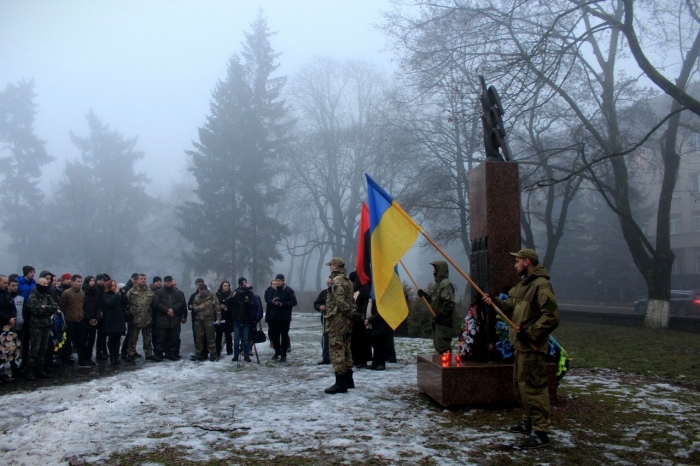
[[393, 233]]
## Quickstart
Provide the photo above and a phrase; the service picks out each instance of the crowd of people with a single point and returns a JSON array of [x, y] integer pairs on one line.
[[47, 322], [50, 321]]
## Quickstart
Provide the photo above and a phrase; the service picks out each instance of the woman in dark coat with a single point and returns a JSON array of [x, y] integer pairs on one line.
[[225, 328], [113, 304], [91, 310], [359, 341]]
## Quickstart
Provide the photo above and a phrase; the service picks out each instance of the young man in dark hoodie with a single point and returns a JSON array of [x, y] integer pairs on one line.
[[533, 308], [442, 300], [101, 351]]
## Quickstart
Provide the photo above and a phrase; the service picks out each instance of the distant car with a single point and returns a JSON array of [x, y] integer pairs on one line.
[[683, 303]]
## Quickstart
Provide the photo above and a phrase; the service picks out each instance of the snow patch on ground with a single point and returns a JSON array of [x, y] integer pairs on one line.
[[279, 409]]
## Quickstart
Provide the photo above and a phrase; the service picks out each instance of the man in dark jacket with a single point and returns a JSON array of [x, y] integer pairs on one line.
[[280, 301], [170, 306], [239, 304], [183, 319], [101, 351], [442, 300], [533, 308], [320, 306], [91, 315], [156, 284]]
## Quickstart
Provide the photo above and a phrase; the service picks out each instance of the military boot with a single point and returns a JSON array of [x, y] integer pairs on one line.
[[525, 427], [338, 386], [349, 382], [537, 439]]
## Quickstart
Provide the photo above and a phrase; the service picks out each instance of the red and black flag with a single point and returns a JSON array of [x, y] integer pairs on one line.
[[362, 264]]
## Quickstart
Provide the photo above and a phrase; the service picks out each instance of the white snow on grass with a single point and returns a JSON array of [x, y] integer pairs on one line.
[[218, 410]]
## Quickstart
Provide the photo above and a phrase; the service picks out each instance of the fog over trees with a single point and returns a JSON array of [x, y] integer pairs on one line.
[[602, 109]]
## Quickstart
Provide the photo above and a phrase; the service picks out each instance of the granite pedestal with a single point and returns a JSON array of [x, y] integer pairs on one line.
[[454, 383]]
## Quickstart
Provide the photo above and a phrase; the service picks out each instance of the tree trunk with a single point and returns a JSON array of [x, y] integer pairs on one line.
[[657, 313]]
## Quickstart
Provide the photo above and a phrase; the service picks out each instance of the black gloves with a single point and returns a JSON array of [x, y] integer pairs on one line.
[[422, 293], [524, 337]]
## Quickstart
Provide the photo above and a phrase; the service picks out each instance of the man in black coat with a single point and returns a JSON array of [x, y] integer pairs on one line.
[[280, 301], [320, 306], [169, 305]]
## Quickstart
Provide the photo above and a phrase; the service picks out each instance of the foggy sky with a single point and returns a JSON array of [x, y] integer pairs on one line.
[[147, 68]]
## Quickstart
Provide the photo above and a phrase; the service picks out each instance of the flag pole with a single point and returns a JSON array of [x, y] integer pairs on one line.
[[416, 286], [474, 285]]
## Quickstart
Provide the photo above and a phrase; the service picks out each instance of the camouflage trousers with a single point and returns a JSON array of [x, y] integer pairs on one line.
[[204, 332], [38, 342], [134, 338], [339, 349], [531, 384]]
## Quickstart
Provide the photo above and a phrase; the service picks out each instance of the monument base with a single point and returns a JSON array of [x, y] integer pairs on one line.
[[456, 383]]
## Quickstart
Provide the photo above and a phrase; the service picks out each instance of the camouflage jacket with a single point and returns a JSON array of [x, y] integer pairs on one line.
[[39, 316], [207, 307], [532, 306], [340, 305], [442, 298], [140, 305]]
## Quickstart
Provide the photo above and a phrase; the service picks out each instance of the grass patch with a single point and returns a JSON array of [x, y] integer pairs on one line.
[[662, 353]]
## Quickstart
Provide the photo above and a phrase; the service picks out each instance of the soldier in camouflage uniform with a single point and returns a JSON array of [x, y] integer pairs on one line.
[[208, 311], [40, 307], [140, 305], [532, 307], [340, 308], [442, 300]]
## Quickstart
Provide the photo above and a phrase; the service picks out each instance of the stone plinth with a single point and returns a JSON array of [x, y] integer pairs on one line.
[[465, 383], [494, 219]]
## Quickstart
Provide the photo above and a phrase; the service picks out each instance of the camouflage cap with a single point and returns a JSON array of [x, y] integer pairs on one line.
[[336, 261], [529, 254]]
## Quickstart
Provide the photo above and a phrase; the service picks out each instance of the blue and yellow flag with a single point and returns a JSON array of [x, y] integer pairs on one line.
[[393, 233]]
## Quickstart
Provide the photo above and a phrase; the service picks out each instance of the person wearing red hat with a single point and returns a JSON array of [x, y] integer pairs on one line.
[[64, 283]]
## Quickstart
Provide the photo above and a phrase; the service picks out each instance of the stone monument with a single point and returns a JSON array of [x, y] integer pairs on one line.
[[480, 378]]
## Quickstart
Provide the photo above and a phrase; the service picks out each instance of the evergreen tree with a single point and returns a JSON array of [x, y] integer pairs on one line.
[[234, 165], [22, 154], [101, 203]]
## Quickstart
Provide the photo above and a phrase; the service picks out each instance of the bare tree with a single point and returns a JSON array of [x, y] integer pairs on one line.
[[575, 49], [340, 107]]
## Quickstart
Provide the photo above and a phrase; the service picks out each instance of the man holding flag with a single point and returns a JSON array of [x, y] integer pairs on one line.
[[442, 300]]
